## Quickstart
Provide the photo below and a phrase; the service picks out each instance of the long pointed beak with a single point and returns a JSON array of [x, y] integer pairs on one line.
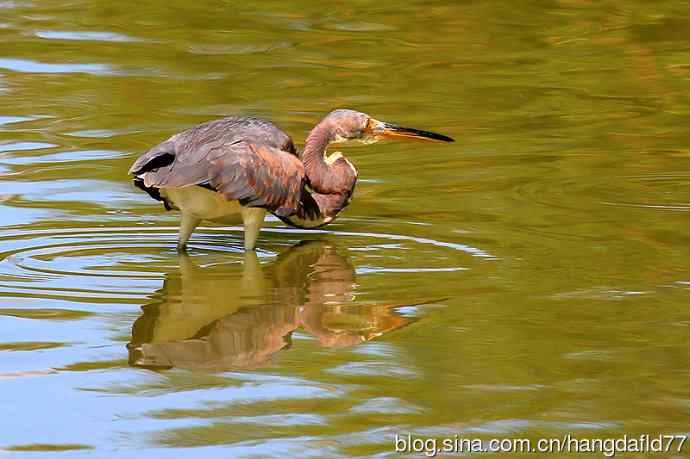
[[382, 130]]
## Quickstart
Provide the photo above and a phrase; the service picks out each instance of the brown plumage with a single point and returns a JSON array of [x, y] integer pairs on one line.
[[184, 159], [246, 166]]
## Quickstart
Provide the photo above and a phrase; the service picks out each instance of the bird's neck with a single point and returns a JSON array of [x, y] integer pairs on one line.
[[322, 177], [331, 180]]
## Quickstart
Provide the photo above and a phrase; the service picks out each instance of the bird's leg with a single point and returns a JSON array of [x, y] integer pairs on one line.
[[253, 284], [187, 226], [253, 218]]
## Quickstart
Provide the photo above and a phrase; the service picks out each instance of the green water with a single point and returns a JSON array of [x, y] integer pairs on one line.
[[531, 279]]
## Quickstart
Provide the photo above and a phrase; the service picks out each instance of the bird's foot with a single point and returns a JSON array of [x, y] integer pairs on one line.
[[182, 248]]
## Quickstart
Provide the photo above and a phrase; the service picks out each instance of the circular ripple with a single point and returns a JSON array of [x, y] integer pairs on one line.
[[122, 264], [80, 263]]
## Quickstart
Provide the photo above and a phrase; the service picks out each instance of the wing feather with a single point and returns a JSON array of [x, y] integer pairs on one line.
[[184, 159], [259, 176], [242, 158]]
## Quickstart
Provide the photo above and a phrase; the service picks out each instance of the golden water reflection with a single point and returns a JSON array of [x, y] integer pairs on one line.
[[208, 318]]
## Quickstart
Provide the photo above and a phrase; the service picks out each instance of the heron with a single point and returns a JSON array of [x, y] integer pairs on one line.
[[241, 167]]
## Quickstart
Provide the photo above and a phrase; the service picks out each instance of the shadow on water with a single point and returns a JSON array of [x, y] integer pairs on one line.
[[207, 318]]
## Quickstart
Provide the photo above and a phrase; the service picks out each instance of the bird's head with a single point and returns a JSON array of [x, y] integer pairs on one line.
[[350, 125]]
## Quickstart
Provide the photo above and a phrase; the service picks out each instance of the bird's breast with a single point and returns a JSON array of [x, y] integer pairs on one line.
[[202, 203]]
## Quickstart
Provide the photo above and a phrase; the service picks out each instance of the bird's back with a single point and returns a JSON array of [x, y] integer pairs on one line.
[[180, 160], [184, 159], [230, 130]]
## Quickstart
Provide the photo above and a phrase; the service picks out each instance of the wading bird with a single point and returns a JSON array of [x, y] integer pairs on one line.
[[245, 166]]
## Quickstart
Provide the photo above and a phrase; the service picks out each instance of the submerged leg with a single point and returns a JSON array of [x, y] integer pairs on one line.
[[253, 218], [252, 283], [187, 226]]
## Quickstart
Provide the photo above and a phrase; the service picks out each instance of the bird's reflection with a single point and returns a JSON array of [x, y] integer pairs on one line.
[[226, 317]]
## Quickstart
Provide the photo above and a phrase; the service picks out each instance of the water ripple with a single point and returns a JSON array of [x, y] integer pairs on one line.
[[29, 66], [60, 157], [124, 263], [24, 146], [84, 36], [13, 119]]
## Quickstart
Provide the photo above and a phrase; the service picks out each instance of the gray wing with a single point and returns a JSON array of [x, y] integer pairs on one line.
[[184, 159]]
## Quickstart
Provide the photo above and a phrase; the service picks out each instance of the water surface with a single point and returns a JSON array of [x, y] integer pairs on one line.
[[531, 279]]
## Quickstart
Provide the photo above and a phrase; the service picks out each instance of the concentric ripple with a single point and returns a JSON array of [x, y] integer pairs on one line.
[[92, 263], [122, 264]]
